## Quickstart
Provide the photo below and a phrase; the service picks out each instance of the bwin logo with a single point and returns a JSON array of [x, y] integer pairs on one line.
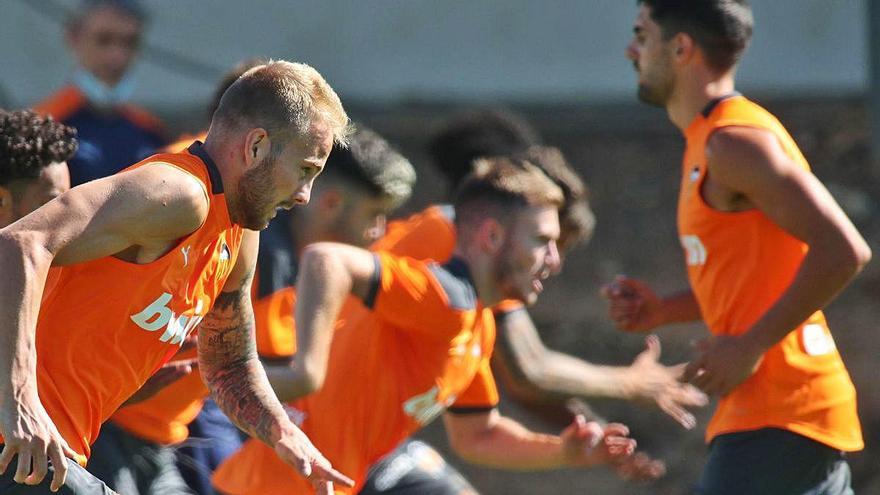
[[158, 315]]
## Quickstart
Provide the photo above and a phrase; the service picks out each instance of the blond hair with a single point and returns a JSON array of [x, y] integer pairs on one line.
[[281, 96]]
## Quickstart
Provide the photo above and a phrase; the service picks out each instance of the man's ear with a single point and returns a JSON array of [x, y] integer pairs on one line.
[[256, 146], [492, 235], [683, 47]]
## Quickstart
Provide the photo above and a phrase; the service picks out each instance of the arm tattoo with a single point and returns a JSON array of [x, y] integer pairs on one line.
[[229, 365]]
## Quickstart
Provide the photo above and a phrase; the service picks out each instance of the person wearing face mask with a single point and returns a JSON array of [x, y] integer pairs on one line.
[[104, 37]]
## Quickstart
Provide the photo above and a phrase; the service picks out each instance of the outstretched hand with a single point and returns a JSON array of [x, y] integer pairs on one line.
[[655, 383], [297, 450]]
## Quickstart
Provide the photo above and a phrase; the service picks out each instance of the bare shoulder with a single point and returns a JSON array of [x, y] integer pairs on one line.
[[740, 146], [173, 202]]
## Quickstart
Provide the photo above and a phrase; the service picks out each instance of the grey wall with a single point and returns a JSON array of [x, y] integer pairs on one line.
[[387, 50]]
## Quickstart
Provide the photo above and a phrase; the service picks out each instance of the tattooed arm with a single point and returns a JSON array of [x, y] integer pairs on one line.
[[230, 367]]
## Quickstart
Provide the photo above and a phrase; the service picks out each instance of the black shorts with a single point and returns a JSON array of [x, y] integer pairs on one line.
[[415, 468], [772, 461], [79, 482]]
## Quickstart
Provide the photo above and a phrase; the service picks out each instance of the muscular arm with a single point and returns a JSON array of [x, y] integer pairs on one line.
[[230, 367], [145, 208], [328, 274], [228, 357], [538, 374], [752, 163]]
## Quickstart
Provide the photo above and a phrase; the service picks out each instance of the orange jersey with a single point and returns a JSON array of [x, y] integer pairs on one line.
[[427, 235], [164, 418], [110, 139], [421, 344], [69, 99], [739, 264], [106, 325]]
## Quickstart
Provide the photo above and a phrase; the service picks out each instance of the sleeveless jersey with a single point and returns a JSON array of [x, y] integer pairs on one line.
[[164, 418], [107, 325], [429, 234], [739, 264]]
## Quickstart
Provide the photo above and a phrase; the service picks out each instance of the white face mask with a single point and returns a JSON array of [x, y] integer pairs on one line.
[[98, 93]]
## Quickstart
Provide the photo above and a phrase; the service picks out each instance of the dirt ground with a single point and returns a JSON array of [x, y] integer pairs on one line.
[[630, 158]]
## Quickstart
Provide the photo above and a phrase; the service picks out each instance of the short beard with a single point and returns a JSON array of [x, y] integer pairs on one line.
[[662, 84], [505, 267], [254, 193], [646, 95]]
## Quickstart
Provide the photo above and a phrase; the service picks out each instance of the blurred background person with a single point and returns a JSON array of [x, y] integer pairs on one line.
[[104, 37], [766, 248]]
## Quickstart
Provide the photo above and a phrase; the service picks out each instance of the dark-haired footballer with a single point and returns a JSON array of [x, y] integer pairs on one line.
[[33, 162]]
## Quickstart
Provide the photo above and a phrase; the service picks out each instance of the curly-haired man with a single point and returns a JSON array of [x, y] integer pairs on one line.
[[33, 162]]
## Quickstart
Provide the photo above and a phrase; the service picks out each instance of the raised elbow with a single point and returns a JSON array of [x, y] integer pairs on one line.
[[862, 255], [856, 255]]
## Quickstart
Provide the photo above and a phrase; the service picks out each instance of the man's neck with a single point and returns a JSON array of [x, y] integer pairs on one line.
[[481, 274], [221, 156], [694, 92]]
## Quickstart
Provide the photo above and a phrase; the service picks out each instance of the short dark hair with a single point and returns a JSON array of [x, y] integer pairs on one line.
[[477, 134], [499, 187], [721, 28], [370, 162], [29, 142], [576, 219]]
